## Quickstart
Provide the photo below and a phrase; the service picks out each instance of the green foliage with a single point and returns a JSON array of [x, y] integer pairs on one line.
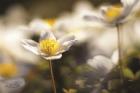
[[83, 68], [127, 73]]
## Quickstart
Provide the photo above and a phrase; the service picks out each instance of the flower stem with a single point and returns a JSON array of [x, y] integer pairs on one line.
[[120, 53], [52, 76]]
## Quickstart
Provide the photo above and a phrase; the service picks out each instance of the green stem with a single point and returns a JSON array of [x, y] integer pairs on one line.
[[52, 76], [120, 53]]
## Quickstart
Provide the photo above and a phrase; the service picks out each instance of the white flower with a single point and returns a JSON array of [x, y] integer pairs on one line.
[[74, 24], [10, 42], [134, 33], [102, 64], [114, 14], [38, 24], [13, 85], [49, 47], [11, 80], [11, 35]]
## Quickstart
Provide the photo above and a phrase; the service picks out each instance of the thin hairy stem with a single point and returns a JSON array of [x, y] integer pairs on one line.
[[120, 53], [52, 76]]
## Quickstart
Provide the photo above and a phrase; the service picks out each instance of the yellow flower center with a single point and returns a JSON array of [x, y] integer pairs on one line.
[[113, 12], [51, 22], [49, 46], [8, 70]]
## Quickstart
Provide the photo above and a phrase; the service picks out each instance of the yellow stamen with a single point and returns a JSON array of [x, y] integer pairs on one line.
[[113, 12], [8, 70], [49, 46]]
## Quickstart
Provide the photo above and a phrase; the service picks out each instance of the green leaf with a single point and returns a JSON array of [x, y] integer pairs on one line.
[[128, 73], [84, 68]]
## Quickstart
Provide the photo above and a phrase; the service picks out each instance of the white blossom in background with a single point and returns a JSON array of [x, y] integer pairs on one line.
[[11, 34], [102, 64], [106, 42], [38, 25], [135, 33], [114, 14], [13, 85], [74, 24], [11, 75], [10, 41]]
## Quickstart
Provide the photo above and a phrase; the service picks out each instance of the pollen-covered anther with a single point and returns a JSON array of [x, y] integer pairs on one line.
[[49, 46], [113, 12]]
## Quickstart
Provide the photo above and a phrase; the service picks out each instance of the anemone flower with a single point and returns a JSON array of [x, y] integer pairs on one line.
[[114, 14], [102, 64], [10, 80], [38, 25], [13, 85], [49, 48], [102, 67]]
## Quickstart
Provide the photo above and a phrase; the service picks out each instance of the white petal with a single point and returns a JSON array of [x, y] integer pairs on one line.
[[47, 35], [43, 27], [53, 57], [38, 24], [128, 6], [103, 9], [115, 57], [66, 43], [128, 2], [101, 64], [30, 45], [66, 38], [14, 85], [1, 78], [95, 17]]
